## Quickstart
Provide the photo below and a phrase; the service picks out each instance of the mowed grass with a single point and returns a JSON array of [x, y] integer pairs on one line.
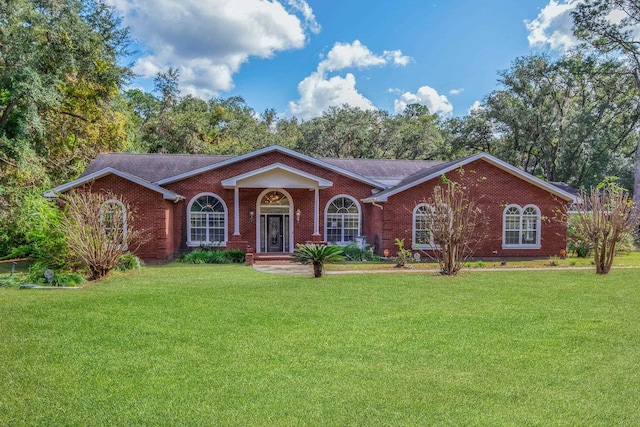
[[226, 345]]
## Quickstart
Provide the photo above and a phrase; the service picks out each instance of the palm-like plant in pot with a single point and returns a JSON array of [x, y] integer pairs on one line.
[[317, 255]]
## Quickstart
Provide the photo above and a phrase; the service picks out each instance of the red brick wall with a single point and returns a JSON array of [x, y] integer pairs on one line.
[[492, 189], [151, 213]]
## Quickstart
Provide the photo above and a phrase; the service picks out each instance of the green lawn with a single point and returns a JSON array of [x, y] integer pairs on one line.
[[225, 345]]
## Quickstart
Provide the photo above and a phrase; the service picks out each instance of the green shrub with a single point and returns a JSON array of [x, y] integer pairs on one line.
[[40, 226], [403, 256], [554, 261], [213, 256], [577, 244], [353, 253], [481, 264], [237, 256], [317, 255], [61, 277], [129, 262], [12, 281]]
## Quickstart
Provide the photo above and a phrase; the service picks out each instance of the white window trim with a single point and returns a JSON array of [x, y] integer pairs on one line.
[[124, 215], [418, 246], [326, 219], [521, 210], [222, 244]]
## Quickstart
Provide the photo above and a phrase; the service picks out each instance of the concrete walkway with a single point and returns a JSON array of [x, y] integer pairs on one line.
[[307, 269]]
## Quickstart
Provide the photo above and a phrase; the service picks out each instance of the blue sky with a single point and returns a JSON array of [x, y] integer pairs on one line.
[[300, 57]]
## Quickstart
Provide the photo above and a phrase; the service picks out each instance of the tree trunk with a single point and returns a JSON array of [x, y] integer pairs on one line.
[[636, 177], [317, 269]]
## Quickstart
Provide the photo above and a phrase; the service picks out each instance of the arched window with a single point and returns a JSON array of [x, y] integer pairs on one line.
[[521, 227], [207, 221], [421, 236], [113, 217], [342, 220]]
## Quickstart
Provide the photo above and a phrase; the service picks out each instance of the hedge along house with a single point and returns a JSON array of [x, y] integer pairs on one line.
[[269, 200]]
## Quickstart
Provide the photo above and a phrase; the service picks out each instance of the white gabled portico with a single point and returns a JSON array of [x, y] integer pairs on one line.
[[277, 177]]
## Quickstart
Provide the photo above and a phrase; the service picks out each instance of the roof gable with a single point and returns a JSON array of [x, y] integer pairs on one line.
[[166, 194], [277, 175], [439, 170], [271, 149]]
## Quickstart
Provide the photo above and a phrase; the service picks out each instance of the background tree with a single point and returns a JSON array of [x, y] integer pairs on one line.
[[570, 120], [343, 132], [414, 134], [59, 84], [605, 216], [611, 26], [99, 231]]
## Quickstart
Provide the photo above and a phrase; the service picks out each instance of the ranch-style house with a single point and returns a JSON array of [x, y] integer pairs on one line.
[[271, 199]]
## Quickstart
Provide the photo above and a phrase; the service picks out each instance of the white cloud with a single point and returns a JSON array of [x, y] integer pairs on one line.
[[209, 40], [553, 26], [397, 57], [427, 96], [317, 94], [319, 91], [476, 106], [350, 55], [454, 92], [304, 8]]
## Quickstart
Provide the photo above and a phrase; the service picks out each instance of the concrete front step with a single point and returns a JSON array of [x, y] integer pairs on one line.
[[272, 258]]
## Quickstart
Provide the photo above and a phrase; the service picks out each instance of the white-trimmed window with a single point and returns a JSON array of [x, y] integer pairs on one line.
[[207, 221], [113, 217], [521, 227], [342, 220], [421, 237]]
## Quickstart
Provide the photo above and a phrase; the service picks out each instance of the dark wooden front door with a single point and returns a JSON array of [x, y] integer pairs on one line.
[[275, 236]]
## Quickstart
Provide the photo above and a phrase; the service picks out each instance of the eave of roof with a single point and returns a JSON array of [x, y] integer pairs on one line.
[[166, 194], [270, 149], [438, 171]]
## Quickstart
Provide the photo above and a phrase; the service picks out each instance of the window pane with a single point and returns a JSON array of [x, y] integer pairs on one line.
[[198, 234], [529, 237], [513, 223], [512, 237]]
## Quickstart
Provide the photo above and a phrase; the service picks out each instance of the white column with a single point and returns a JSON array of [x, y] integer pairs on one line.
[[236, 211], [316, 213]]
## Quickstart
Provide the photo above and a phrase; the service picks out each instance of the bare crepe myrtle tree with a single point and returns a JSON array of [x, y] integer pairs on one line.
[[451, 222], [605, 217], [99, 230]]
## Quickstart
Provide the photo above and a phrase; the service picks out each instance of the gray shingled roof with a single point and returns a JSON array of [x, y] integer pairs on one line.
[[388, 172], [152, 167]]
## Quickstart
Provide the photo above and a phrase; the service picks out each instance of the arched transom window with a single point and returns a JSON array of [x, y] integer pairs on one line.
[[521, 227], [207, 221], [342, 220]]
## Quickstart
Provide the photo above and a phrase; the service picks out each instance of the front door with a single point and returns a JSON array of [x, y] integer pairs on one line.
[[275, 233]]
